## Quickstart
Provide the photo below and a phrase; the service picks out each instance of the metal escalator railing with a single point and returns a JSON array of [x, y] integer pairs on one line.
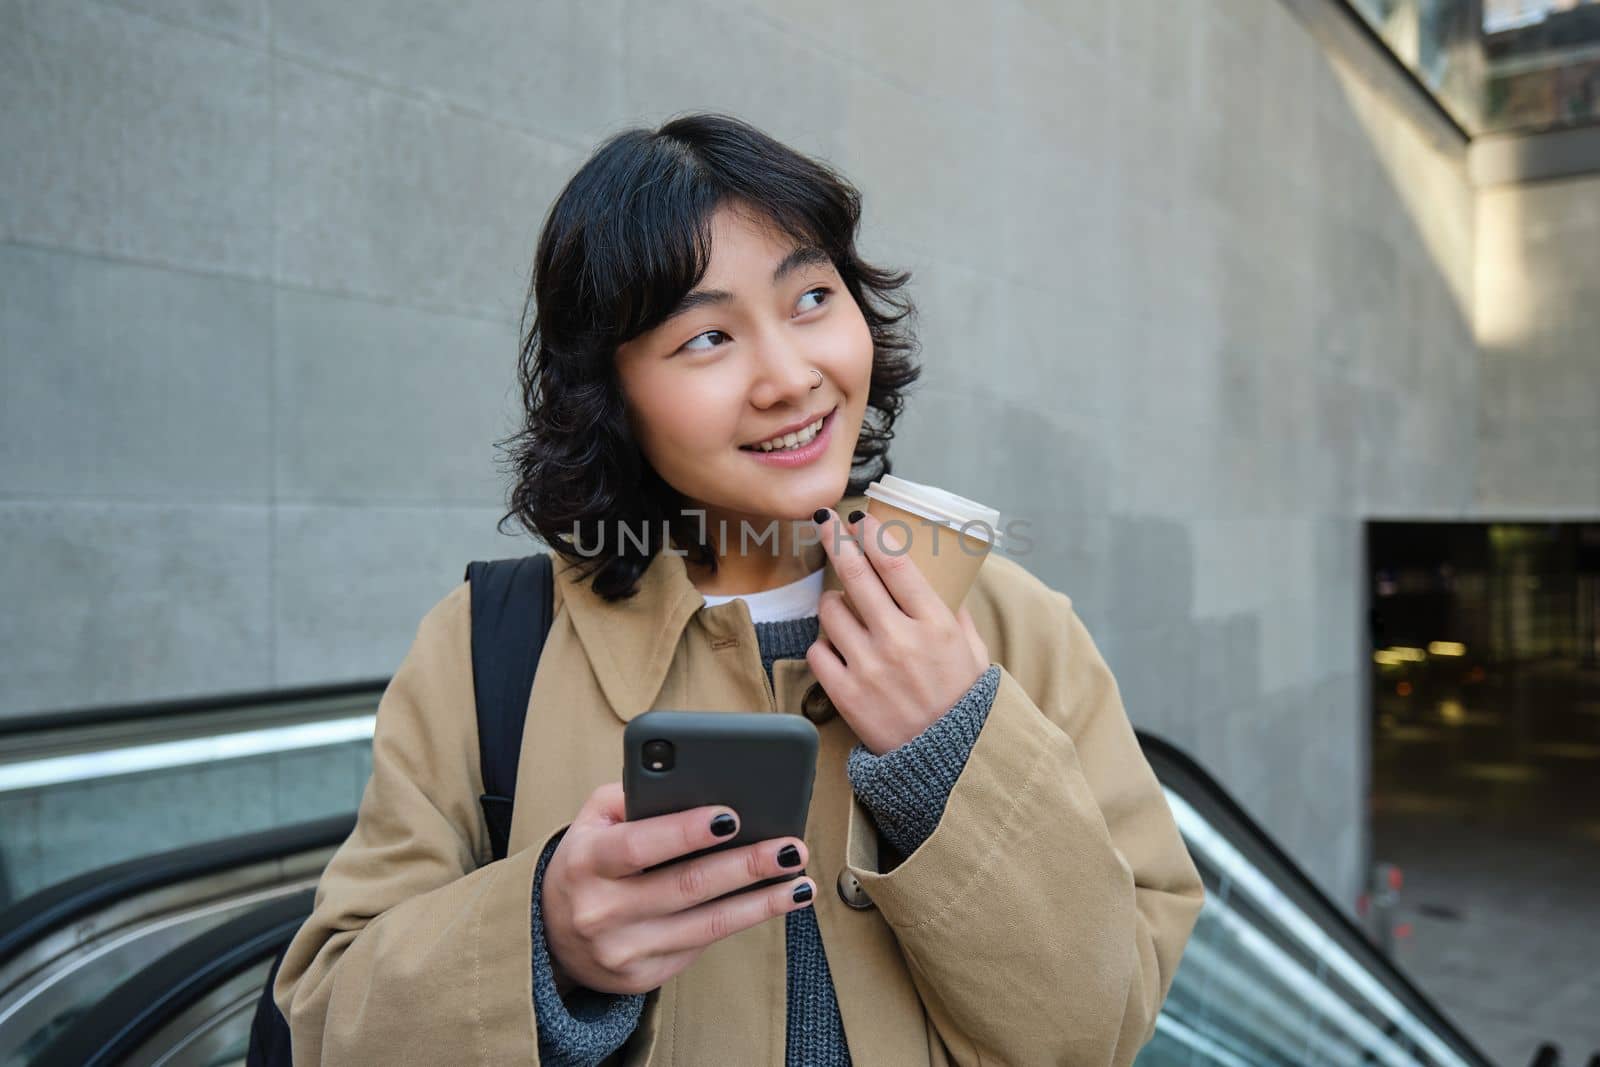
[[176, 1011], [63, 949], [1274, 974], [82, 789]]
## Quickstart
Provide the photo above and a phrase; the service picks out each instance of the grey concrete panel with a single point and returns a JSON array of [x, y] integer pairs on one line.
[[1153, 668], [550, 69], [1062, 358], [1050, 186], [1152, 564], [134, 138], [1332, 801], [940, 208], [124, 380], [1082, 25], [1539, 396], [116, 603], [1068, 553], [964, 316], [1546, 470], [1339, 625], [245, 20], [1210, 690], [382, 195], [383, 403], [1528, 390], [1151, 45], [1054, 210], [352, 583], [1009, 477], [1043, 49], [936, 50]]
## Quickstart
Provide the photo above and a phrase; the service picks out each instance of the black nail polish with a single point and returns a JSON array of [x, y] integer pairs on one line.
[[789, 856], [723, 825], [855, 516], [802, 892], [819, 516]]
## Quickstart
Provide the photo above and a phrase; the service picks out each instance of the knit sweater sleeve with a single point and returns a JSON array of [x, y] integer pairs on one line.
[[905, 789], [587, 1026]]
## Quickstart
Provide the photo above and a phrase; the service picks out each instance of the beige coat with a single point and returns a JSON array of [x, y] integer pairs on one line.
[[1041, 923]]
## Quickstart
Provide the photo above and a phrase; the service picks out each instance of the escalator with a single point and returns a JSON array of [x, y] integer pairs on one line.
[[1274, 972], [194, 1004], [128, 832], [68, 950]]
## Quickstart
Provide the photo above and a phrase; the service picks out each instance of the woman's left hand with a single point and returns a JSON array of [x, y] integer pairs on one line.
[[908, 659]]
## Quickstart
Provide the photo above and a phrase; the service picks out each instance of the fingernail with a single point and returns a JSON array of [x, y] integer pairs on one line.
[[789, 856], [723, 825], [802, 892], [855, 516], [819, 516]]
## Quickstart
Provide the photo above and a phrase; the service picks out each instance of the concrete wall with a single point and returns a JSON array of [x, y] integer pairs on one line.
[[1207, 297], [1538, 325]]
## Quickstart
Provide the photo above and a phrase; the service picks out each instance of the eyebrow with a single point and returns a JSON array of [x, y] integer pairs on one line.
[[803, 256]]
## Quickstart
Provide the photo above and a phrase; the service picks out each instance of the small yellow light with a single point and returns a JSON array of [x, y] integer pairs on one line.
[[1447, 648], [1416, 655]]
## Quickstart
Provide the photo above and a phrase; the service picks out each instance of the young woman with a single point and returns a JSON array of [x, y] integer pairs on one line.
[[990, 873]]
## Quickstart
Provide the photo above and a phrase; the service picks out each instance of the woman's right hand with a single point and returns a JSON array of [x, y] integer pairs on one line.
[[614, 927]]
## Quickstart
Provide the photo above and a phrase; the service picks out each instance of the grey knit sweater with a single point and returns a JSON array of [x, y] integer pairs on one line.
[[905, 790]]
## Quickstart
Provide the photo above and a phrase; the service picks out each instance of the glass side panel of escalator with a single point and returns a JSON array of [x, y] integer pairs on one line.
[[77, 798], [1266, 980]]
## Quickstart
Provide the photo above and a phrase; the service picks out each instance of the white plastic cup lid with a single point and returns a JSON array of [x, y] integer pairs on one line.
[[938, 505]]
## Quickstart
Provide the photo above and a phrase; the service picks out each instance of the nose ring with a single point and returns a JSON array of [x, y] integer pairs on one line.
[[819, 378]]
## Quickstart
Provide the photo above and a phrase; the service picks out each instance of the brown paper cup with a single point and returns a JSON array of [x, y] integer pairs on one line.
[[950, 568], [948, 558]]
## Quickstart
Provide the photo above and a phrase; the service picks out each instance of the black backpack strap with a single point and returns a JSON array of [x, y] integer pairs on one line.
[[512, 601]]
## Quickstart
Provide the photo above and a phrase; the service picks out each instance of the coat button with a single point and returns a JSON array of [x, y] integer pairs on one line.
[[816, 706], [852, 892]]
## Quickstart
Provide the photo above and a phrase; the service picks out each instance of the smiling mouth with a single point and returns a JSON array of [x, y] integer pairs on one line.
[[793, 441]]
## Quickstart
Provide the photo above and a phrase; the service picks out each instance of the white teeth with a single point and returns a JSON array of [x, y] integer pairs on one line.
[[791, 440]]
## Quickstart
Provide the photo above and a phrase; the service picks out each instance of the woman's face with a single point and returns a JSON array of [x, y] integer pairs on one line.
[[734, 366]]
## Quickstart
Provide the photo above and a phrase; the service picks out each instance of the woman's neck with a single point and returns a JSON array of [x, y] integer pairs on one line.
[[759, 567]]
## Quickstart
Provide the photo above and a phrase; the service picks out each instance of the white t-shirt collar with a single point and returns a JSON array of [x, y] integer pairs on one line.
[[797, 600]]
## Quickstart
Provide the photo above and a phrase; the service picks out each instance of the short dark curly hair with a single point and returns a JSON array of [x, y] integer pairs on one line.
[[628, 237]]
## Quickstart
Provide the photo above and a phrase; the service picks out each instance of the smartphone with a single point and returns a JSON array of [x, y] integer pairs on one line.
[[760, 764]]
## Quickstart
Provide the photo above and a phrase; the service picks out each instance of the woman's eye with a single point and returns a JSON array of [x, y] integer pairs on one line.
[[690, 345], [819, 289]]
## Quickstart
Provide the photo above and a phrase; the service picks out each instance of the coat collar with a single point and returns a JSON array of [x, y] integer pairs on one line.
[[631, 643]]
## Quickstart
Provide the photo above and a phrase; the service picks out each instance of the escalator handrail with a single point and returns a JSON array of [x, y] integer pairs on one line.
[[1179, 771], [36, 916], [77, 718], [148, 1000]]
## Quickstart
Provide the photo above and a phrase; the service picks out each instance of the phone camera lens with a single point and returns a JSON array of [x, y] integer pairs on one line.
[[658, 755]]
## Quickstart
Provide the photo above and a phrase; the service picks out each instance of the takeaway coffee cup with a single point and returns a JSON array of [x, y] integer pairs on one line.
[[947, 536]]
